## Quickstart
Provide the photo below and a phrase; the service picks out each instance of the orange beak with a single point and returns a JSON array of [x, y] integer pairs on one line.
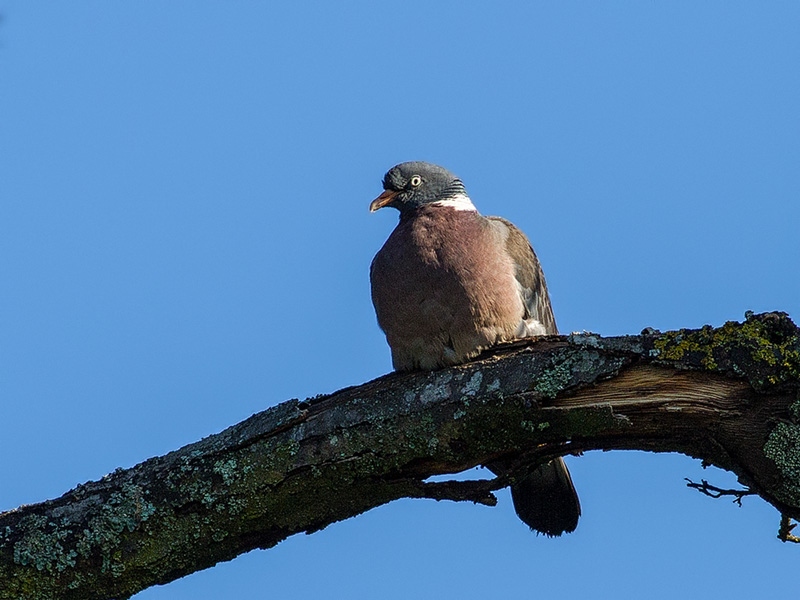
[[382, 200]]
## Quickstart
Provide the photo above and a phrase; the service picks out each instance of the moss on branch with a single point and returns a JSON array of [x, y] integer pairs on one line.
[[728, 395]]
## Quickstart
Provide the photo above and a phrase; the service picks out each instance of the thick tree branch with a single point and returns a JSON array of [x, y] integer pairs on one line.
[[729, 396]]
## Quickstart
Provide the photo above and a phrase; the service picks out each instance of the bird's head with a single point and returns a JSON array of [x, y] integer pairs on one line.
[[410, 185]]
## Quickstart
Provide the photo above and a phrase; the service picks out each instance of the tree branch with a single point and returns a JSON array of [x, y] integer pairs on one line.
[[730, 396], [715, 492], [785, 530]]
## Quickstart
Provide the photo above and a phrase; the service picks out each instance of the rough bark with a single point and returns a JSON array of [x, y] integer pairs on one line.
[[729, 396]]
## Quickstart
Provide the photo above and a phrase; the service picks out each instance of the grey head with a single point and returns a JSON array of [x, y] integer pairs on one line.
[[410, 185]]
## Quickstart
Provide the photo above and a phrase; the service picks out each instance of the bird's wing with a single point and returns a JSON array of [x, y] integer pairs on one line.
[[529, 274]]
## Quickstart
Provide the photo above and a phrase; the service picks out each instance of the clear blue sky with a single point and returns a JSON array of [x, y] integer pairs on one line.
[[184, 241]]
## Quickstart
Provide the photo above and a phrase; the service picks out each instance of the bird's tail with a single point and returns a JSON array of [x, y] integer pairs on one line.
[[546, 500]]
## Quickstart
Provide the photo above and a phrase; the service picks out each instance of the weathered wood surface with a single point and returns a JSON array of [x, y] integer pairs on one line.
[[730, 396]]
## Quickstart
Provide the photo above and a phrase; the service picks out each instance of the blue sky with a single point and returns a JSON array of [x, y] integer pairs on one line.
[[185, 240]]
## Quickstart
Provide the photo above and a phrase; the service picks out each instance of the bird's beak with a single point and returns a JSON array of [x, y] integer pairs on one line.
[[382, 200]]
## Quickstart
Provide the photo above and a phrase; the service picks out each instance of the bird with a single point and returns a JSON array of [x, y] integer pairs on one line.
[[449, 283]]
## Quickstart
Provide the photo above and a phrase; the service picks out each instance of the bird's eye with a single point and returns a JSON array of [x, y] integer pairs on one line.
[[416, 180]]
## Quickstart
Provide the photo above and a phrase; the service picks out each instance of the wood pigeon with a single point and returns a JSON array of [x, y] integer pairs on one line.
[[449, 283]]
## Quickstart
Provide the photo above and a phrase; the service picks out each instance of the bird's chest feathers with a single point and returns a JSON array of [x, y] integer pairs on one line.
[[451, 257], [439, 239]]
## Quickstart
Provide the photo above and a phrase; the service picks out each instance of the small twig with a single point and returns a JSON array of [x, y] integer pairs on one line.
[[785, 531], [711, 490]]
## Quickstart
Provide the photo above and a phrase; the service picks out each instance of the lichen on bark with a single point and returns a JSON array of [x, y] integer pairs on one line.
[[727, 395], [783, 448], [765, 349]]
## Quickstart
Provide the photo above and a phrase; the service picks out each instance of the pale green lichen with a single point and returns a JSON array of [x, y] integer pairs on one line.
[[783, 448], [794, 409], [236, 505], [566, 373], [585, 338], [554, 380], [42, 545], [436, 390], [126, 509], [227, 469], [459, 413], [473, 386], [534, 426]]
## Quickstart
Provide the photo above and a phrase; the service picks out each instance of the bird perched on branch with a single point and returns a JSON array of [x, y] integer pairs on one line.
[[449, 283]]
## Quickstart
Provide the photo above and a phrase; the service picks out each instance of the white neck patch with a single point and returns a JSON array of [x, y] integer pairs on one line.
[[458, 202]]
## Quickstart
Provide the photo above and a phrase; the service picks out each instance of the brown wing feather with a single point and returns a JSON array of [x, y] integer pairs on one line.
[[530, 276], [545, 498]]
